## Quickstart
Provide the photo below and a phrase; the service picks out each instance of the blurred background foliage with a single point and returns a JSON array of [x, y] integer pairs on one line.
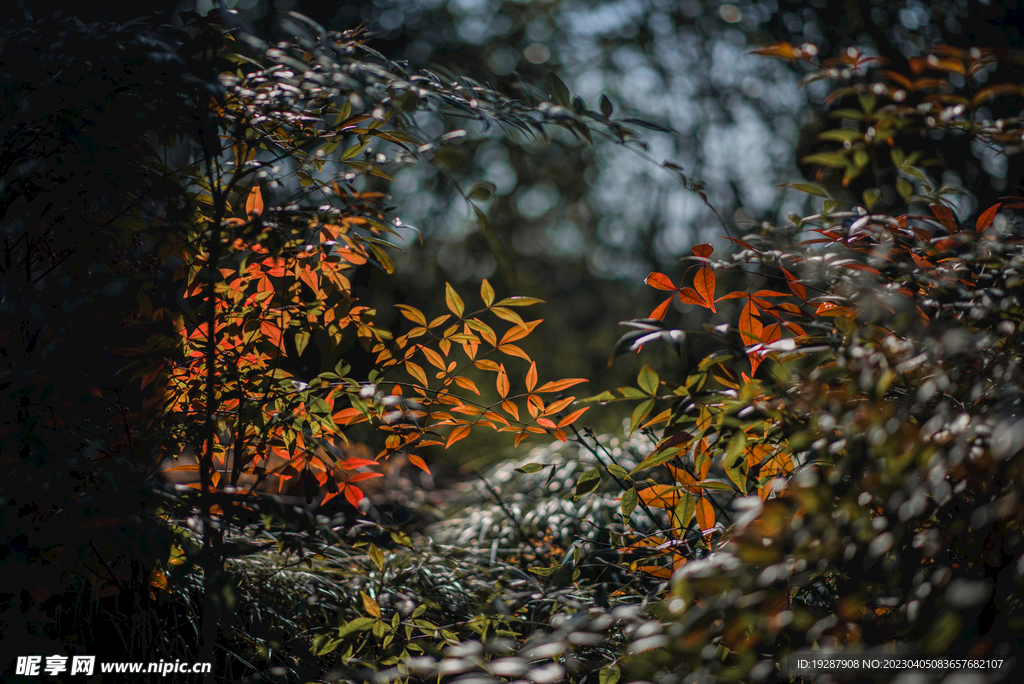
[[581, 225]]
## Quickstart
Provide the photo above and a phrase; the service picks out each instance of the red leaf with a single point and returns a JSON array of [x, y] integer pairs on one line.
[[659, 313], [985, 220], [704, 283], [359, 477], [741, 243], [795, 285], [660, 281], [703, 251], [354, 495], [945, 216], [689, 296]]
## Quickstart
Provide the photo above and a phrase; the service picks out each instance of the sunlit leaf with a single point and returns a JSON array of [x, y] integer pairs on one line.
[[659, 281], [705, 513], [452, 299], [502, 382], [486, 293], [254, 202], [648, 380]]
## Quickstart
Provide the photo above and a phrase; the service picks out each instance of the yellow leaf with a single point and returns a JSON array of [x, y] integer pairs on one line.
[[486, 293], [452, 299], [369, 605]]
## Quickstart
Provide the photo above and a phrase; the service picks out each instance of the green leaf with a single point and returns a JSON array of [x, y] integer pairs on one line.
[[639, 413], [587, 482], [353, 151], [735, 463], [809, 188], [360, 624], [559, 90], [530, 468], [656, 459], [609, 675], [482, 191], [617, 471], [648, 380], [301, 341], [685, 509], [629, 501], [545, 572], [606, 110]]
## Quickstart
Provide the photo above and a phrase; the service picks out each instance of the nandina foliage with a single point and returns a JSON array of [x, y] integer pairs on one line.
[[843, 465]]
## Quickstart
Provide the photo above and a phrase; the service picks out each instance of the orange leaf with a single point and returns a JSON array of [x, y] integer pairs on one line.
[[689, 296], [254, 202], [502, 382], [518, 333], [703, 251], [750, 326], [830, 309], [419, 463], [555, 406], [705, 286], [985, 220], [433, 357], [659, 496], [531, 377], [513, 350], [571, 418], [659, 313], [458, 433], [705, 513], [353, 494], [416, 371], [795, 285], [660, 281], [359, 477], [353, 463], [487, 365], [559, 385], [511, 409], [520, 436], [782, 50], [466, 383]]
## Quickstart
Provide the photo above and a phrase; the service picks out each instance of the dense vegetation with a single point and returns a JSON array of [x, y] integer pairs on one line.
[[199, 239]]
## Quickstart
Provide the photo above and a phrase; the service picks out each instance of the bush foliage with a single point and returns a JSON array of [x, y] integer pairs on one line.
[[834, 463]]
